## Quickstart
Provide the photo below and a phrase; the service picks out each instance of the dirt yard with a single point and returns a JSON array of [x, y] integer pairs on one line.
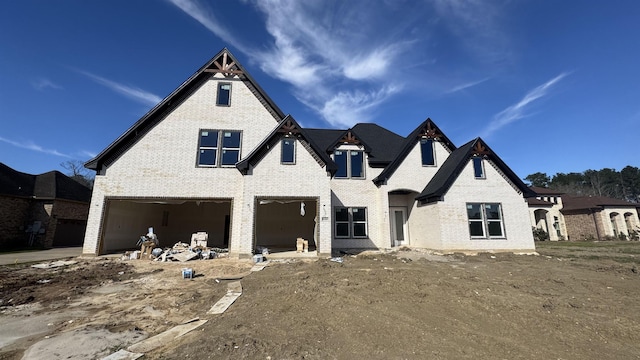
[[573, 301]]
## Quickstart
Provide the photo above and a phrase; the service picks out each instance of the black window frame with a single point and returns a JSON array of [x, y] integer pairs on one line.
[[292, 160], [220, 149], [220, 92], [348, 164], [478, 168], [355, 223], [427, 144]]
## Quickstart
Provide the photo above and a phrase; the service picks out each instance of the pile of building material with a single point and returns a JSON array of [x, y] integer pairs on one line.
[[180, 251]]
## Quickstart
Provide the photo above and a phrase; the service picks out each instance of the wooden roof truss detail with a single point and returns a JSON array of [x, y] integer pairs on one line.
[[350, 138], [429, 132], [225, 66], [479, 149]]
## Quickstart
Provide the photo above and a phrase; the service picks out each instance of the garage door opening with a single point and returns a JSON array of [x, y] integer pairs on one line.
[[173, 220], [280, 222]]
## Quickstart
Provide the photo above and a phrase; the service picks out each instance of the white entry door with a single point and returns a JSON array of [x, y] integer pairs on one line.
[[398, 220]]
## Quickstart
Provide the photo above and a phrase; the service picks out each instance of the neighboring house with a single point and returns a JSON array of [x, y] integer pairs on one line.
[[46, 210], [218, 155], [583, 217], [545, 213]]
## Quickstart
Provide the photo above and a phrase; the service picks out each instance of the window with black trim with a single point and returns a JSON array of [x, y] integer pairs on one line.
[[224, 94], [350, 222], [485, 220], [426, 150], [350, 163], [478, 168], [288, 154], [219, 148]]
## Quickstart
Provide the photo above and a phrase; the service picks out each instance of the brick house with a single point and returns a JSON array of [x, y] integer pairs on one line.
[[45, 210], [218, 155], [582, 217]]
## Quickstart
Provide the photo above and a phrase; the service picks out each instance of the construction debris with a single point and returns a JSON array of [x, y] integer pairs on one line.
[[234, 290], [53, 264]]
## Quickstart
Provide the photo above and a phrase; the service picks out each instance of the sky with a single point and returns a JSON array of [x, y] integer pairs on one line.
[[551, 86]]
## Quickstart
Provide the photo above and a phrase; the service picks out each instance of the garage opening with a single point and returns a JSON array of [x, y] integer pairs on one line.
[[173, 220], [280, 222]]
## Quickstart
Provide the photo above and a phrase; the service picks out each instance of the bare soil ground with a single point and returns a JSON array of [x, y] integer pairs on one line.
[[573, 301]]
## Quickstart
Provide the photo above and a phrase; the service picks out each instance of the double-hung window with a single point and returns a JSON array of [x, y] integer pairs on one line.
[[350, 222], [224, 94], [426, 150], [288, 154], [350, 163], [485, 220], [219, 148]]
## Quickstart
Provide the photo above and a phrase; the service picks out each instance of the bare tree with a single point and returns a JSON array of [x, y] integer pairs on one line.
[[77, 171]]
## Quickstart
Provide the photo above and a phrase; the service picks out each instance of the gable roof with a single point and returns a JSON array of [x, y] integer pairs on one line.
[[582, 203], [455, 163], [50, 185], [381, 144], [223, 62], [288, 126], [384, 144], [427, 130]]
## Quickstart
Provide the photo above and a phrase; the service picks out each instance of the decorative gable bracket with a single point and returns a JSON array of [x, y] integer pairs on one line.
[[429, 132], [225, 65]]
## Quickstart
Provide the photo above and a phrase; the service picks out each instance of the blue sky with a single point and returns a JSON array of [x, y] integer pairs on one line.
[[551, 86]]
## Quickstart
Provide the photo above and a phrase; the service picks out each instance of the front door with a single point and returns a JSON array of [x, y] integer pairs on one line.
[[399, 233]]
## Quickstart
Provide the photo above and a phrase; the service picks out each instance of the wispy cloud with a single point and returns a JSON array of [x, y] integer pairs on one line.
[[44, 83], [322, 49], [133, 93], [29, 145], [517, 111], [465, 86], [87, 154]]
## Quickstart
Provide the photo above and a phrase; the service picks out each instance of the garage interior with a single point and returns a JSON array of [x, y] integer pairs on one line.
[[173, 220], [280, 222]]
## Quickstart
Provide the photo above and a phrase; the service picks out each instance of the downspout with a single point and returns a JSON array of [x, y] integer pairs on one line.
[[595, 222]]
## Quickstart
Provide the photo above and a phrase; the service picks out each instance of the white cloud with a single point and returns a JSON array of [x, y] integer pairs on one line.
[[134, 93], [29, 145], [322, 48], [517, 111], [44, 83], [466, 86]]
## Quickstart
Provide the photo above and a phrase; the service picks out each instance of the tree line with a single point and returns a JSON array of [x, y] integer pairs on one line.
[[624, 184]]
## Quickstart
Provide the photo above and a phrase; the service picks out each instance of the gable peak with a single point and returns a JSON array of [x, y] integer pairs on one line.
[[429, 131], [225, 64], [480, 148]]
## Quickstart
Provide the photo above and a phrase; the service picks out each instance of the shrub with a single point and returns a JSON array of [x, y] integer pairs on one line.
[[539, 234]]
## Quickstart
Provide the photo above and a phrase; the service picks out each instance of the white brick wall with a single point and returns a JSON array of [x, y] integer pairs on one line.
[[411, 175], [454, 230], [163, 162]]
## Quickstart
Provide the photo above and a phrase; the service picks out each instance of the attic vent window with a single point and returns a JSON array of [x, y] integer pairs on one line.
[[224, 94], [288, 151], [478, 168], [426, 149]]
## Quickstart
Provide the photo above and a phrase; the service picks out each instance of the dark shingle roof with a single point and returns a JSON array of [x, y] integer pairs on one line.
[[15, 183], [50, 185], [538, 202], [384, 144], [168, 104], [455, 163], [577, 203]]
